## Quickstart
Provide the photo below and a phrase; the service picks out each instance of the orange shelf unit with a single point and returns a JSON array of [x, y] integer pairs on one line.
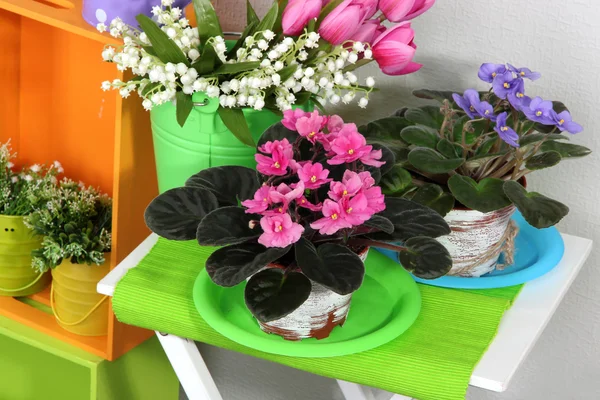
[[52, 108]]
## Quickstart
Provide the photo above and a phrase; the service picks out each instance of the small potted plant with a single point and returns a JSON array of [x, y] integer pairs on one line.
[[211, 98], [76, 226], [20, 194], [468, 160], [301, 227]]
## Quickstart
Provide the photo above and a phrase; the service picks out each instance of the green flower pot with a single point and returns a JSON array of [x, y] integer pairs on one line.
[[203, 142]]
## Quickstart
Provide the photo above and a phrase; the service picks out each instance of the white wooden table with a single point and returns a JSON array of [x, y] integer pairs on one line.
[[519, 329]]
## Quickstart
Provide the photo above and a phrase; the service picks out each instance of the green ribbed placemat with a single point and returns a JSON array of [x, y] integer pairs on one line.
[[433, 360]]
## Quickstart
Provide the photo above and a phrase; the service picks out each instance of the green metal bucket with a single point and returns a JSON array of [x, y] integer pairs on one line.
[[203, 142]]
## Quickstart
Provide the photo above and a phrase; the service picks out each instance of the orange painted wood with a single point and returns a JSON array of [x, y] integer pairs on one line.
[[52, 108]]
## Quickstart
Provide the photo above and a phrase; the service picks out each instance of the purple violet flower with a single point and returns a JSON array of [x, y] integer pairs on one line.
[[469, 102], [565, 122], [505, 132], [515, 97], [539, 110], [488, 71], [506, 83], [525, 72], [486, 110]]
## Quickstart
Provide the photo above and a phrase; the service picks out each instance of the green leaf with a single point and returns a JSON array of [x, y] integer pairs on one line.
[[397, 180], [448, 149], [229, 184], [251, 16], [566, 150], [231, 265], [430, 161], [479, 161], [287, 72], [486, 146], [332, 265], [234, 120], [236, 68], [439, 95], [387, 156], [282, 5], [434, 197], [426, 258], [271, 294], [386, 131], [326, 11], [485, 196], [206, 64], [227, 225], [537, 209], [427, 115], [410, 219], [268, 22], [150, 87], [380, 223], [241, 41], [474, 129], [184, 107], [165, 48], [176, 213], [420, 135], [543, 160], [208, 22], [538, 137]]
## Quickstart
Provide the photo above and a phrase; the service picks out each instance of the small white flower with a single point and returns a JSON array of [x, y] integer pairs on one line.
[[345, 82], [274, 54], [251, 101], [276, 79], [363, 103], [302, 55], [186, 79], [338, 78], [352, 58], [344, 54], [187, 89], [265, 63], [234, 84], [156, 10], [213, 91], [155, 98], [193, 54], [308, 72], [28, 178], [323, 82], [334, 99], [351, 77], [278, 65], [249, 41], [359, 47], [14, 179], [370, 81], [368, 54], [105, 85], [220, 47], [124, 93], [339, 63], [269, 35], [35, 168], [144, 38], [348, 97], [199, 85], [242, 99], [262, 44], [166, 3], [314, 36], [101, 27], [259, 104], [170, 67], [146, 60], [184, 22], [108, 54], [181, 68], [192, 73], [147, 104]]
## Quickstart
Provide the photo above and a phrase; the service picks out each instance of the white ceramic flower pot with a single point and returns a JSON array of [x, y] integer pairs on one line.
[[474, 241], [316, 318]]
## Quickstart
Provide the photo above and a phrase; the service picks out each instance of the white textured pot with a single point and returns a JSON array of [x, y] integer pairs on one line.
[[474, 241], [316, 318]]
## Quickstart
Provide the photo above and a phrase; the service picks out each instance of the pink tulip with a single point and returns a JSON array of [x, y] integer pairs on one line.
[[419, 8], [394, 50], [404, 10], [368, 31], [345, 19], [298, 13]]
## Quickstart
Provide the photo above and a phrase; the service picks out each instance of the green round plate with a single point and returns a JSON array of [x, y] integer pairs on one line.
[[383, 308]]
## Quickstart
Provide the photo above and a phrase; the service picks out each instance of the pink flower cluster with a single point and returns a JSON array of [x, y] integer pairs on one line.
[[293, 184], [354, 20]]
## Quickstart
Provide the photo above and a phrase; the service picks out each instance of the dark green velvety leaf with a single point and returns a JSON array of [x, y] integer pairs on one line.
[[229, 184], [426, 258], [448, 149], [543, 160], [430, 161], [231, 265], [533, 138], [234, 120], [427, 115], [271, 294], [387, 156], [165, 48], [397, 180], [400, 112], [420, 135], [332, 265], [380, 223], [537, 209], [277, 132], [208, 22], [478, 161], [410, 219], [566, 150], [485, 147], [184, 107], [385, 129], [228, 225], [434, 197], [485, 196], [234, 69], [439, 95], [176, 213]]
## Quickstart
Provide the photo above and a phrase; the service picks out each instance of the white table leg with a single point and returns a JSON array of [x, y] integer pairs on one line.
[[189, 367], [353, 391], [400, 397]]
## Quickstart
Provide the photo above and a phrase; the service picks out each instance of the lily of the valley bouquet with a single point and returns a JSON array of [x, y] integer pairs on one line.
[[301, 51], [308, 213]]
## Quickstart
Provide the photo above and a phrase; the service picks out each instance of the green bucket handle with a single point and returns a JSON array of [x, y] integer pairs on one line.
[[24, 287]]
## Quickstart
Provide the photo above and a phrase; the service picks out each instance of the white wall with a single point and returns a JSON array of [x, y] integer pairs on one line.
[[561, 39]]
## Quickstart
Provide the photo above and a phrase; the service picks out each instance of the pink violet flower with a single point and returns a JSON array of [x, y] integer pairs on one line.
[[310, 126], [291, 116], [285, 194], [372, 158], [365, 177], [375, 199], [350, 186], [348, 146], [356, 210], [282, 156], [313, 175], [304, 203], [261, 201], [333, 219], [279, 231]]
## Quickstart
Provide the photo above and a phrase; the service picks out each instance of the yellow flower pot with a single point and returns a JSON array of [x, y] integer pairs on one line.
[[17, 277], [77, 306]]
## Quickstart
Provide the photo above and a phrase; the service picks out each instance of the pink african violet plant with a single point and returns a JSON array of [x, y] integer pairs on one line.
[[311, 206]]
